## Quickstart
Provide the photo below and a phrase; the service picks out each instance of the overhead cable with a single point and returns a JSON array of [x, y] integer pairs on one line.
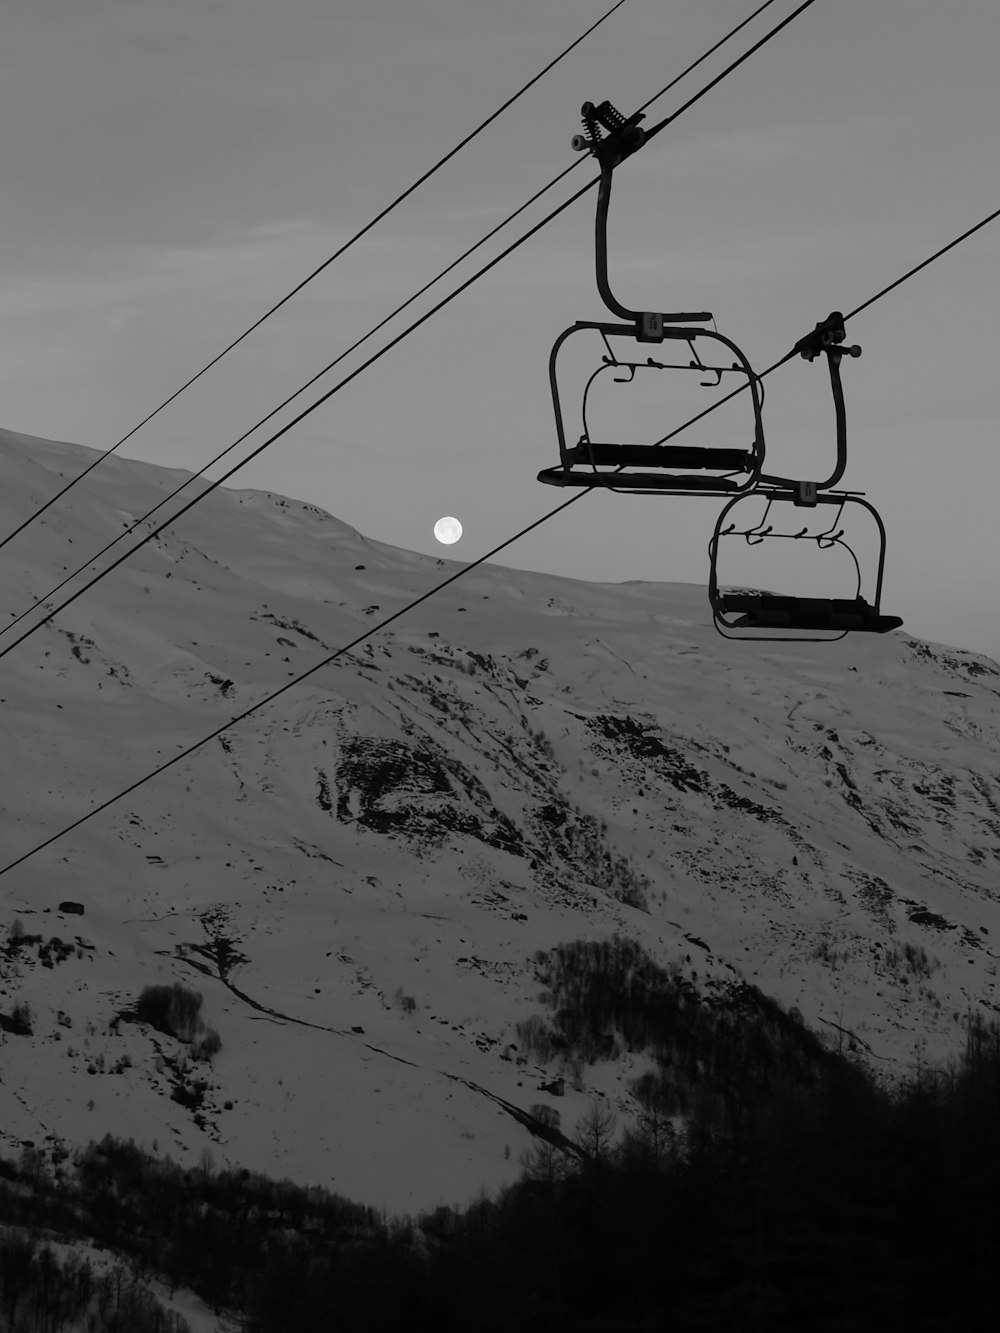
[[865, 305], [923, 264], [705, 55], [773, 32], [336, 361], [194, 476], [297, 680], [214, 485], [314, 274], [372, 629]]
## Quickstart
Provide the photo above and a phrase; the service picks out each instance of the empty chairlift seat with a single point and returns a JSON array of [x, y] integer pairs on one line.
[[764, 611], [657, 466], [582, 464]]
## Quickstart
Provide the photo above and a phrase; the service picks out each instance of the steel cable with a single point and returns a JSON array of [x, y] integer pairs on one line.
[[212, 486], [121, 536], [304, 675], [314, 274], [865, 305], [189, 750], [188, 481], [374, 629]]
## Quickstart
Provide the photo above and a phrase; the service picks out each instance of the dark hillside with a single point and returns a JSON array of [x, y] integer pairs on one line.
[[809, 1200]]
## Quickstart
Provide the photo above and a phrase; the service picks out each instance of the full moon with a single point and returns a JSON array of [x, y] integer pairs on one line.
[[447, 530]]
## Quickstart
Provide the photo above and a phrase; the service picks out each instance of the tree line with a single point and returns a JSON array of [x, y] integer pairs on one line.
[[794, 1194]]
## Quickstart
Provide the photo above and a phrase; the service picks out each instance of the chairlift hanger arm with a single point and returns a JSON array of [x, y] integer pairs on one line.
[[826, 339], [610, 137]]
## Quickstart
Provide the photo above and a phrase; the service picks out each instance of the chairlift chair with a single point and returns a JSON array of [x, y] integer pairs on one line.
[[745, 614], [735, 474], [654, 467], [741, 613]]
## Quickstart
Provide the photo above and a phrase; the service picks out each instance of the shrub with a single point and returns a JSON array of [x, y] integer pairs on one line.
[[172, 1010], [189, 1095], [176, 1011], [537, 1039], [206, 1044], [913, 958], [545, 1115], [20, 1020], [920, 963]]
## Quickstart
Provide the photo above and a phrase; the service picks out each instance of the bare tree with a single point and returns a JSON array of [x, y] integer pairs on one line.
[[653, 1141], [545, 1163], [595, 1134]]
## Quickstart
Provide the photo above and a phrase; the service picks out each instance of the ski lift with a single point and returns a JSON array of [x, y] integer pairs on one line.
[[735, 474], [655, 466], [743, 613], [751, 614]]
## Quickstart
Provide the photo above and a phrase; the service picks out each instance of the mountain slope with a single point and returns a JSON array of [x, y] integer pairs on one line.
[[358, 877]]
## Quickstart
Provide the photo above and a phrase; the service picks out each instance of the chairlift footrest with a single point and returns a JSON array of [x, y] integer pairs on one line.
[[638, 481], [804, 613]]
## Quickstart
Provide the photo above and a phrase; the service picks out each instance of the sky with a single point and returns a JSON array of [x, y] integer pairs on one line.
[[174, 167]]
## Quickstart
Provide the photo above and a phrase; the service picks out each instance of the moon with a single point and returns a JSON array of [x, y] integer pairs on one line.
[[447, 530]]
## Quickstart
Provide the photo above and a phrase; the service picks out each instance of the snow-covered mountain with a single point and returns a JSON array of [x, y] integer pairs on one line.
[[358, 878]]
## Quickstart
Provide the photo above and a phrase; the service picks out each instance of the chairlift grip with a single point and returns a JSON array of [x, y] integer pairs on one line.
[[840, 411]]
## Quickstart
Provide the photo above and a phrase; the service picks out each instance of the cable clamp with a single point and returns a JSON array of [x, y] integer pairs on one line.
[[608, 134], [827, 336]]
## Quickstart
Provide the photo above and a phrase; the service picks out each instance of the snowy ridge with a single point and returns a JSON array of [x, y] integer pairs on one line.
[[357, 878]]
